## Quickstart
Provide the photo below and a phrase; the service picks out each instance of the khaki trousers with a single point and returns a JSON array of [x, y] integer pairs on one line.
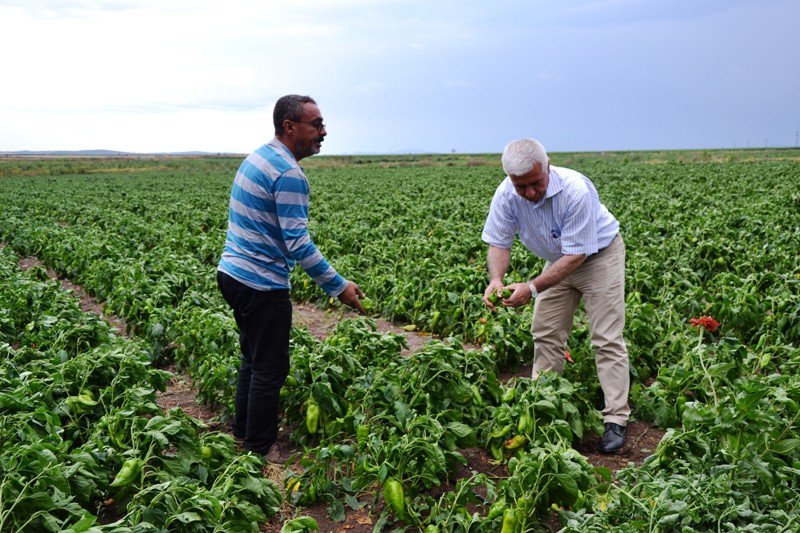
[[600, 281]]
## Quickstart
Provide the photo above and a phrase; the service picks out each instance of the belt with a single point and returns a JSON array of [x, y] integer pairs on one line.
[[601, 250]]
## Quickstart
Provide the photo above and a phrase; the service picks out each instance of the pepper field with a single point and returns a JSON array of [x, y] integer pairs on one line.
[[85, 447]]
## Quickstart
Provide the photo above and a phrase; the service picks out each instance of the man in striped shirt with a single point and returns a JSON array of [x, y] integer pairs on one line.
[[267, 235], [558, 216]]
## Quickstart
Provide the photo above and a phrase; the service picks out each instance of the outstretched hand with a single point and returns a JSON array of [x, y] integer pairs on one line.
[[351, 297]]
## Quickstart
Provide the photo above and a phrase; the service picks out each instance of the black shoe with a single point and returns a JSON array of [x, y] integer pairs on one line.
[[613, 438]]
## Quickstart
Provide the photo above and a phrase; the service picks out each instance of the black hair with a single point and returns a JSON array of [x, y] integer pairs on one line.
[[289, 107]]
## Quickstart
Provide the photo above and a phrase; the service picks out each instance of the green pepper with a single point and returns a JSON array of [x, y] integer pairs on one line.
[[312, 416], [497, 508], [81, 402], [505, 294], [509, 394], [206, 452], [509, 521], [523, 423], [86, 399], [310, 495], [393, 495], [476, 394], [494, 298], [127, 473], [502, 432], [368, 467], [496, 449], [290, 382], [362, 434], [432, 528], [435, 320]]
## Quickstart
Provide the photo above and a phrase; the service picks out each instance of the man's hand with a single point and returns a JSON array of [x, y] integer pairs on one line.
[[492, 288], [520, 296], [350, 297]]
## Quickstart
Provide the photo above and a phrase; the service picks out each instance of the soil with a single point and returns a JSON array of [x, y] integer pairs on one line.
[[642, 440], [321, 322]]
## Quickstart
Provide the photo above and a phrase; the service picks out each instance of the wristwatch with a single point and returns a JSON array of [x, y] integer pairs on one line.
[[534, 292]]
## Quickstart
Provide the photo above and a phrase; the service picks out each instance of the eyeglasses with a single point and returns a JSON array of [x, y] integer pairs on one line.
[[316, 124]]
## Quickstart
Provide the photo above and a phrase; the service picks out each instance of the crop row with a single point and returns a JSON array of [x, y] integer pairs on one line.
[[83, 440]]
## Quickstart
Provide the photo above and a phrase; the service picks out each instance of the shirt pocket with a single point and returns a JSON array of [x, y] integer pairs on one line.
[[554, 242]]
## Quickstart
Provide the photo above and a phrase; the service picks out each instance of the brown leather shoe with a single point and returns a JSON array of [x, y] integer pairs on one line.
[[277, 454]]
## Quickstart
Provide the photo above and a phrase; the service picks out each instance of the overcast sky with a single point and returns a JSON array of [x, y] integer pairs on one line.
[[397, 75]]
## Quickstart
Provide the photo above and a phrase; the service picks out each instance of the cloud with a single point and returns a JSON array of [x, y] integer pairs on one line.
[[155, 65]]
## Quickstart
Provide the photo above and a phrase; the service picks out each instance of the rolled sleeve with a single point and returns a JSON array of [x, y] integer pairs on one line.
[[500, 227]]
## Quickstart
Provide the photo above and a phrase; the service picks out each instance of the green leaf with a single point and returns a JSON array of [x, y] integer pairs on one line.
[[336, 511], [604, 472], [461, 430], [352, 502], [545, 405], [186, 517], [566, 488], [786, 445], [84, 524]]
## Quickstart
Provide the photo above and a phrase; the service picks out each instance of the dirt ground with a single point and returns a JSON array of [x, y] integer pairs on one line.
[[642, 437]]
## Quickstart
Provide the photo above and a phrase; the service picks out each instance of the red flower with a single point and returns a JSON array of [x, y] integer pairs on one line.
[[706, 322]]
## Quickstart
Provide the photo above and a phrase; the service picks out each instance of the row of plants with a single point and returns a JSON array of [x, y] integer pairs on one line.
[[86, 448]]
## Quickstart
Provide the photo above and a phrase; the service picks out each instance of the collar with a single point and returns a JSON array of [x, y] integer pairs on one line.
[[556, 184], [278, 145]]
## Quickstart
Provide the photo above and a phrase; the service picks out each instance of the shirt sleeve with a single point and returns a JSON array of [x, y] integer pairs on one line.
[[500, 227], [291, 202], [579, 230]]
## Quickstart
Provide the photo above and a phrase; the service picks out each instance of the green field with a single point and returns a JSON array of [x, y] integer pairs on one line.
[[707, 233]]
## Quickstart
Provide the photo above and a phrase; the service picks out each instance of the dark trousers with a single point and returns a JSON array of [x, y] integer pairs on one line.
[[265, 321]]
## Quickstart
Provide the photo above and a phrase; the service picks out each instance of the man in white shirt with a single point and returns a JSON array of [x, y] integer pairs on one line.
[[558, 216]]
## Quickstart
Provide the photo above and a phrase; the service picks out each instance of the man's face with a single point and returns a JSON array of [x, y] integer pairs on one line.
[[309, 132], [533, 185]]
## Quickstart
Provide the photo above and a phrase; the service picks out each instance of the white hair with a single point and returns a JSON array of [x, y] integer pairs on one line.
[[519, 157]]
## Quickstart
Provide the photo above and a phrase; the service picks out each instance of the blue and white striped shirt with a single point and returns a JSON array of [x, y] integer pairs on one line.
[[569, 220], [268, 225]]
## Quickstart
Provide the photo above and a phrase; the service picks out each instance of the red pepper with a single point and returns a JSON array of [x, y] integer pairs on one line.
[[515, 442]]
